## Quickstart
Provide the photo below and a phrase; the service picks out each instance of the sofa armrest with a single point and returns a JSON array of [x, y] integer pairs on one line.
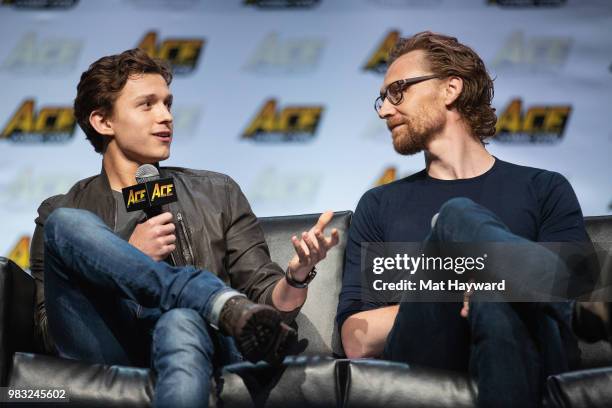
[[16, 313], [585, 388], [86, 385]]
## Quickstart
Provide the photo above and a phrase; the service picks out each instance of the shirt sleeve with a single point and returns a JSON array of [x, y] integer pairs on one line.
[[561, 216], [562, 221], [37, 269], [365, 227], [250, 268]]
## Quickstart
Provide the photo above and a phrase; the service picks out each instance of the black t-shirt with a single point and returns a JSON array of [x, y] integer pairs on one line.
[[535, 204], [126, 221]]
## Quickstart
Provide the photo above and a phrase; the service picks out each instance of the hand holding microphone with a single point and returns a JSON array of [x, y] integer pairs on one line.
[[155, 237]]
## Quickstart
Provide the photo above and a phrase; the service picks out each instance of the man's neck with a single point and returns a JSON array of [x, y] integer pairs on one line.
[[456, 154], [120, 171]]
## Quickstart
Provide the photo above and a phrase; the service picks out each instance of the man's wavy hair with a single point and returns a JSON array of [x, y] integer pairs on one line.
[[101, 84], [448, 57]]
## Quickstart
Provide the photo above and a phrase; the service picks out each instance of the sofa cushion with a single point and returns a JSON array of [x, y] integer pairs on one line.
[[373, 383], [300, 382]]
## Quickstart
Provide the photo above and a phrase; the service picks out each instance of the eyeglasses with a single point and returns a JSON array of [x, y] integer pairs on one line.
[[395, 90]]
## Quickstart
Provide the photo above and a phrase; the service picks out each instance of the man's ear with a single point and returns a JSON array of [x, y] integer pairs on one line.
[[454, 86], [101, 123]]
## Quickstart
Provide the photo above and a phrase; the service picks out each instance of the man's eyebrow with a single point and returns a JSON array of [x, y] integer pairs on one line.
[[152, 96], [143, 97]]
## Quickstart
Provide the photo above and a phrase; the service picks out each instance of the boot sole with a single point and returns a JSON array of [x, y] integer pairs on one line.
[[264, 336]]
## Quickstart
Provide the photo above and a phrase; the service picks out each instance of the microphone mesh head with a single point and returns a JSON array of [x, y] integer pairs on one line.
[[146, 172]]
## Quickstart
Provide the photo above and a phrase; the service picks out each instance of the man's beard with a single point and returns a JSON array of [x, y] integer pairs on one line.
[[415, 135]]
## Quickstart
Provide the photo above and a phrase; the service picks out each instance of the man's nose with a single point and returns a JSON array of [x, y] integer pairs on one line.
[[386, 109], [164, 115]]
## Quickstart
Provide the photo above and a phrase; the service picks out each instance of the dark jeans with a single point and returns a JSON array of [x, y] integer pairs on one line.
[[509, 347], [109, 303]]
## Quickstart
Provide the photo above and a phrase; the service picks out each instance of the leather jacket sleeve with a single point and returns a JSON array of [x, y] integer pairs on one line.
[[37, 268], [248, 258]]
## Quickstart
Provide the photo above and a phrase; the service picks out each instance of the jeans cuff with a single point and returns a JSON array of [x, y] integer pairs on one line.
[[217, 305]]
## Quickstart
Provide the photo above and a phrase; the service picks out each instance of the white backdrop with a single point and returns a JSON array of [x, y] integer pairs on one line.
[[551, 58]]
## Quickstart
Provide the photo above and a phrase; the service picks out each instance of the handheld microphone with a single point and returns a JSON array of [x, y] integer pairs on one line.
[[151, 193], [145, 173]]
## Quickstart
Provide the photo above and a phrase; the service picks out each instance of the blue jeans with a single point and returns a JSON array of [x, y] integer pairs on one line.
[[509, 347], [109, 303]]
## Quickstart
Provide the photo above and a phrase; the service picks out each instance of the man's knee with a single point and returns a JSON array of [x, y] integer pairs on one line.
[[455, 207], [63, 220]]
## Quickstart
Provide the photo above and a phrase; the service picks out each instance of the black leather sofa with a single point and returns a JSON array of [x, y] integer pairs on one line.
[[319, 376]]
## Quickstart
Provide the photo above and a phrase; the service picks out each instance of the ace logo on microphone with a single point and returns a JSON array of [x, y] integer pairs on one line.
[[150, 194]]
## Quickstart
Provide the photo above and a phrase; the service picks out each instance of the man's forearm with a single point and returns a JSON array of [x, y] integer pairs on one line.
[[364, 334], [287, 298]]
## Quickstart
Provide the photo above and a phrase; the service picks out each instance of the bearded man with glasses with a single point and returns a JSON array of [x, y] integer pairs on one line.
[[436, 97]]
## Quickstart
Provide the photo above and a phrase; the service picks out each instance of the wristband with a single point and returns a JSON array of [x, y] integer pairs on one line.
[[300, 285]]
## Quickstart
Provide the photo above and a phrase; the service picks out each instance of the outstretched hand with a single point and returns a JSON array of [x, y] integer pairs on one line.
[[312, 247]]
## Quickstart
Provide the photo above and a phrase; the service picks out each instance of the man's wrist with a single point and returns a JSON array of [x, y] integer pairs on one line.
[[300, 283]]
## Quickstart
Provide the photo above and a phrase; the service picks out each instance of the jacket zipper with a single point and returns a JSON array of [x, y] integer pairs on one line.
[[185, 244]]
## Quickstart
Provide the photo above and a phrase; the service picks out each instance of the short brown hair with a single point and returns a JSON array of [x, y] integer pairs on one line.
[[446, 57], [100, 85]]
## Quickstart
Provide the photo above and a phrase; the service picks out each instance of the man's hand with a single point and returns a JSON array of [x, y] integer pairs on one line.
[[155, 237], [465, 310], [312, 247]]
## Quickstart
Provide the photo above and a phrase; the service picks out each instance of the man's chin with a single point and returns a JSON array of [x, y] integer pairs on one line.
[[406, 148], [152, 159], [165, 154]]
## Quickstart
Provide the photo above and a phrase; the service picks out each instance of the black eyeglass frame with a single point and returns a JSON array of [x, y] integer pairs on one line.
[[403, 84]]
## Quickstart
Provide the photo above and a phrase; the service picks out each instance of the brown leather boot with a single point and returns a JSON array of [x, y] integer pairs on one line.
[[257, 329]]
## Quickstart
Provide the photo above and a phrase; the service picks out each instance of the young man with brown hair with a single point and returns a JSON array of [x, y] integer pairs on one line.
[[105, 293], [436, 97]]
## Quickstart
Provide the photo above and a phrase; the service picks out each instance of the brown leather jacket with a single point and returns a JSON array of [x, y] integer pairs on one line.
[[215, 227]]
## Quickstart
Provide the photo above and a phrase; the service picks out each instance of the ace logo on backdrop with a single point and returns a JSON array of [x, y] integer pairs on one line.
[[50, 124], [280, 188], [538, 124], [291, 124], [527, 3], [30, 185], [276, 4], [20, 253], [533, 54], [43, 56], [377, 61], [407, 3], [40, 4], [285, 56], [390, 174], [182, 54]]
